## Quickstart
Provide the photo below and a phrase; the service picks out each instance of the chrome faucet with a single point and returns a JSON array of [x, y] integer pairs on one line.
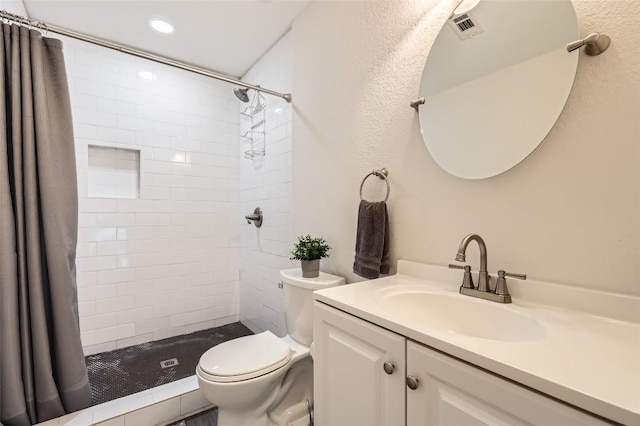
[[483, 279], [483, 291]]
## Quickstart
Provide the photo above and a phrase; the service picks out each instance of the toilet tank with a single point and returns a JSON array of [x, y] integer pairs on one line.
[[298, 301]]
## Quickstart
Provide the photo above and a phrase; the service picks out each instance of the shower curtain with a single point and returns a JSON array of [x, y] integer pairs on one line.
[[42, 369]]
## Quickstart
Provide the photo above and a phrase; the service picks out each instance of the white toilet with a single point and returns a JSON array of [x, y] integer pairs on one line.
[[264, 380]]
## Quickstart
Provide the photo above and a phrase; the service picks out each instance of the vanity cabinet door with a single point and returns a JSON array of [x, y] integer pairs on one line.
[[454, 393], [351, 385]]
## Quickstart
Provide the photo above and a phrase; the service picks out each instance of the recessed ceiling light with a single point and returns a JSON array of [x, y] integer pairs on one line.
[[161, 26]]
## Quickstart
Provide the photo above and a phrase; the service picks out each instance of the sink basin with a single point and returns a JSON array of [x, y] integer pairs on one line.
[[461, 315]]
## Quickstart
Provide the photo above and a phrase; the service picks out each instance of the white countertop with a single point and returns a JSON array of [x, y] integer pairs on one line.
[[589, 356]]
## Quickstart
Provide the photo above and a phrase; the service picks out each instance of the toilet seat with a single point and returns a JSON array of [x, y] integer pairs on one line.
[[244, 358]]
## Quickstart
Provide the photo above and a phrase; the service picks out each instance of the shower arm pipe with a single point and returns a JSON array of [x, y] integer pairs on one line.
[[41, 26]]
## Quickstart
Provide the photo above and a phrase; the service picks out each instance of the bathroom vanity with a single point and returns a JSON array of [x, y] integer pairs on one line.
[[409, 349]]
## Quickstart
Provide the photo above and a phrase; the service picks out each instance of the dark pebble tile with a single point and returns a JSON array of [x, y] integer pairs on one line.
[[205, 418], [137, 368]]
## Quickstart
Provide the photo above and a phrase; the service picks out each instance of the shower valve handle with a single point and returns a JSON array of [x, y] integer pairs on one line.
[[256, 217]]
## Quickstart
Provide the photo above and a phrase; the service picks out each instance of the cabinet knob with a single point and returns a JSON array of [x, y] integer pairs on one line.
[[412, 382], [388, 367]]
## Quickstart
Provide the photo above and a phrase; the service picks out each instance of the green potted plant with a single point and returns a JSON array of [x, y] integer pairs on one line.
[[309, 250]]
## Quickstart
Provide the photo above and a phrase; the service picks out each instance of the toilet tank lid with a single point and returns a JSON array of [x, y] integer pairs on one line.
[[259, 353], [294, 277]]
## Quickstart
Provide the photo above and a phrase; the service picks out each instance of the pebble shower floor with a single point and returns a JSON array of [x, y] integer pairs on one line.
[[126, 371]]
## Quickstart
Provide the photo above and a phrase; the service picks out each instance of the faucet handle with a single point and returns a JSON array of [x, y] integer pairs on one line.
[[467, 280], [501, 282], [503, 274]]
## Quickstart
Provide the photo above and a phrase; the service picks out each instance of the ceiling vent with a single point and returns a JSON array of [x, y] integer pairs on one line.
[[465, 25]]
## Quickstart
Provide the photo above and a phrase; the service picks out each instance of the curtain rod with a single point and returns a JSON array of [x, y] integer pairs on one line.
[[6, 16]]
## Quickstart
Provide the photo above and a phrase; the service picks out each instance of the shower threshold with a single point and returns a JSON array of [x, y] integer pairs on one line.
[[134, 369]]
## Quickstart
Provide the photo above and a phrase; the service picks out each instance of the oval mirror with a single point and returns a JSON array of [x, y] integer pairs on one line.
[[495, 82]]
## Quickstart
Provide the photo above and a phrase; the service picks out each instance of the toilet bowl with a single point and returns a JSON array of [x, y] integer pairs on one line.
[[260, 380]]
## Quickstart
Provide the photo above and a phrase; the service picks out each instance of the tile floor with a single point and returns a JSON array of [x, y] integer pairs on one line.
[[126, 371], [205, 418]]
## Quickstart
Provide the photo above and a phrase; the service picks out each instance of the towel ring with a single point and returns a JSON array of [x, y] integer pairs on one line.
[[382, 174]]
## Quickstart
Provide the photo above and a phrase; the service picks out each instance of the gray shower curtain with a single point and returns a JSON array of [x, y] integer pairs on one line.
[[42, 369]]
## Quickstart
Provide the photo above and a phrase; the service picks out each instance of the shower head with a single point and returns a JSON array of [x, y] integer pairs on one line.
[[241, 94]]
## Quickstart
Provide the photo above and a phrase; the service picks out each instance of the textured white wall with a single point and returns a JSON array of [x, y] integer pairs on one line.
[[166, 263], [266, 183], [568, 213]]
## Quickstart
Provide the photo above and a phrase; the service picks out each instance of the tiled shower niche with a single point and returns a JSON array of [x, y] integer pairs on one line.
[[113, 173]]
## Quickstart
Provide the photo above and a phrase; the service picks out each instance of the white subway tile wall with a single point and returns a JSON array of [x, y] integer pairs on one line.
[[266, 183], [165, 262]]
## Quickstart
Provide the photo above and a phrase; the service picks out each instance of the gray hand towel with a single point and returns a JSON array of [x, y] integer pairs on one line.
[[372, 240]]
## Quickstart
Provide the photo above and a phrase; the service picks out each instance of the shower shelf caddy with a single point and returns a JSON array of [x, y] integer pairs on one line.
[[254, 115]]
